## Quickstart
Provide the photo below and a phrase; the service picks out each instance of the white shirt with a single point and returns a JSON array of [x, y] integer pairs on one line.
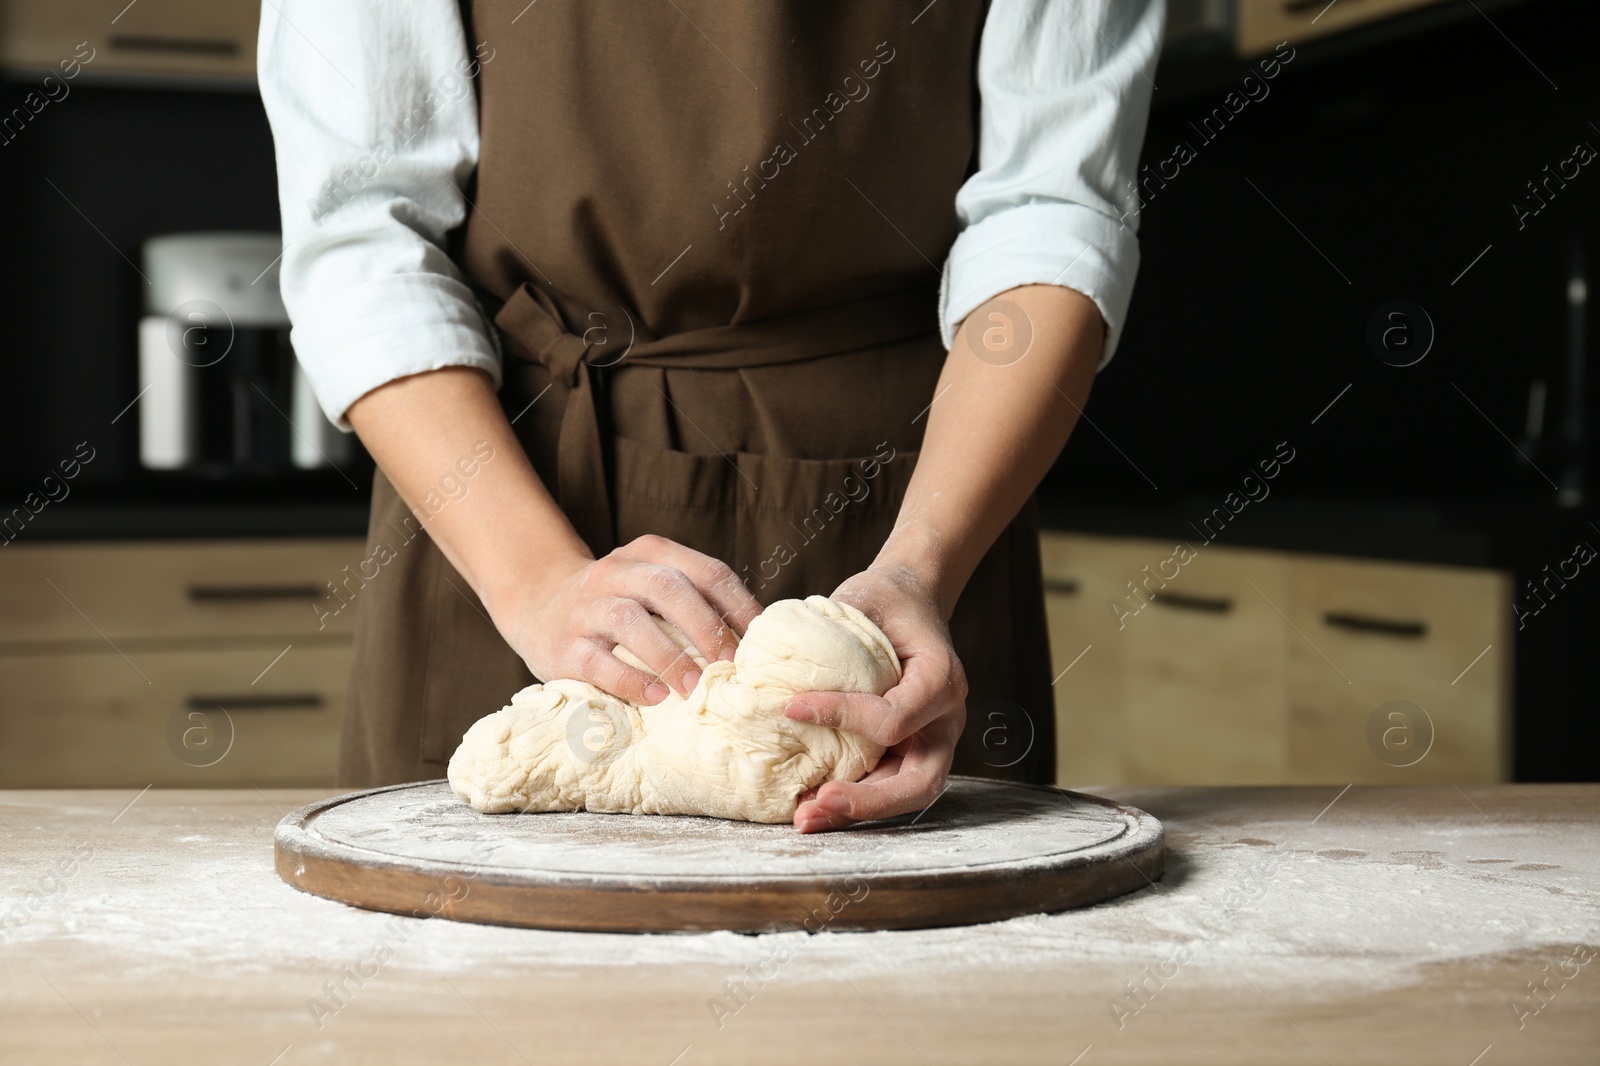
[[1064, 89]]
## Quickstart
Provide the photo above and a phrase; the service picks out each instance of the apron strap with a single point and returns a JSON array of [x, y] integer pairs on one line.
[[534, 322]]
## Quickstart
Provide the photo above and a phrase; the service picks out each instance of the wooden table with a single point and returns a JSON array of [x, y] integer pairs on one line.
[[1294, 925]]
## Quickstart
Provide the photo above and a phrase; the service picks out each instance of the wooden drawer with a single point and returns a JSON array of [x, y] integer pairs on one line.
[[97, 720], [212, 39], [1189, 688], [1376, 632], [1083, 576], [1267, 667], [1263, 24], [1205, 665], [177, 590]]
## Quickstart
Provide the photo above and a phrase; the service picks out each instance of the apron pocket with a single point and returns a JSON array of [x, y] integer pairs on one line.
[[788, 527]]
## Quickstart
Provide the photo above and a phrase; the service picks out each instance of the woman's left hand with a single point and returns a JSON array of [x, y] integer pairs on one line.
[[919, 721]]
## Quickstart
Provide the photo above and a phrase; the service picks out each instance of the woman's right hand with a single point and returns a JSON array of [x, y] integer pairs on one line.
[[560, 609], [568, 623]]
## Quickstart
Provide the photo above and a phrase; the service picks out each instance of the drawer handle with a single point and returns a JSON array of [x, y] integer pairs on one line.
[[1213, 604], [1065, 585], [1386, 626], [193, 46], [1304, 7], [256, 701], [251, 593]]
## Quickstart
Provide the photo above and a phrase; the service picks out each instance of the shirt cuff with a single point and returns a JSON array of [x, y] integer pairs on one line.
[[389, 328], [1042, 243]]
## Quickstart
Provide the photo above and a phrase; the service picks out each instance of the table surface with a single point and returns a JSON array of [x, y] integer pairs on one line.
[[1293, 925]]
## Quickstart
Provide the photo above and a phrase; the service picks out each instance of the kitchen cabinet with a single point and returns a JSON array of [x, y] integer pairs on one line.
[[209, 41], [1262, 24], [1204, 673], [1087, 652], [126, 664], [1223, 665], [173, 590], [180, 664], [91, 719], [1404, 633]]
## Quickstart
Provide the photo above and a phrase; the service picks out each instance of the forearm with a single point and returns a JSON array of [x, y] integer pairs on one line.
[[993, 430], [499, 527]]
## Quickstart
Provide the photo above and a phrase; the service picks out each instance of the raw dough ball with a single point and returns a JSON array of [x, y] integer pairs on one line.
[[726, 750]]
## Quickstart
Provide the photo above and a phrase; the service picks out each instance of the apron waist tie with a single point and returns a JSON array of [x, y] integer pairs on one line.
[[534, 322]]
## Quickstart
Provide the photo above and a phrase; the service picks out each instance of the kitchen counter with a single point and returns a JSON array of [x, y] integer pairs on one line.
[[1442, 532], [191, 519], [1293, 925]]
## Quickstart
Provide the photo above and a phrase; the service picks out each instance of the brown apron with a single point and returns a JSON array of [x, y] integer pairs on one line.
[[705, 233]]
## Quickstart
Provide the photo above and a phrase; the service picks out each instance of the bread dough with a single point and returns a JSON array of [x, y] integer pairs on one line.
[[726, 750]]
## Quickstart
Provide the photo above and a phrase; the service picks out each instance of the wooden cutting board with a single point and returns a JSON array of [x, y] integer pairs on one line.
[[985, 850]]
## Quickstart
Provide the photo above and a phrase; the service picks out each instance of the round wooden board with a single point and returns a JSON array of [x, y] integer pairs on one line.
[[985, 850]]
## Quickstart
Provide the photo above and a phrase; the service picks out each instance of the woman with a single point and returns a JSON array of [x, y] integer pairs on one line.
[[639, 308]]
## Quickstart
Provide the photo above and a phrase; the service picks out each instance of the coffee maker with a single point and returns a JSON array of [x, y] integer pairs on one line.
[[221, 393]]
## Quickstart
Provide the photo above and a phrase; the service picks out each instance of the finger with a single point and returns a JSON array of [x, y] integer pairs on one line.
[[867, 716], [668, 592], [812, 817], [728, 593], [596, 664], [718, 584], [627, 623], [886, 720], [913, 785]]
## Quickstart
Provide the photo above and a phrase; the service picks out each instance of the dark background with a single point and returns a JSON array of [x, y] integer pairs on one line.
[[1397, 151]]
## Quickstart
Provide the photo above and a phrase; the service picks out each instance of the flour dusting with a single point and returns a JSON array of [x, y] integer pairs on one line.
[[175, 887]]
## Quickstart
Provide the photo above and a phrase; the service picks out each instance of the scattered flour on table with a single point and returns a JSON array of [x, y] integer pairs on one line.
[[158, 899]]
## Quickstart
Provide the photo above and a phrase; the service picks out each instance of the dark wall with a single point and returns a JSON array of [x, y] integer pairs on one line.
[[86, 182], [1398, 164]]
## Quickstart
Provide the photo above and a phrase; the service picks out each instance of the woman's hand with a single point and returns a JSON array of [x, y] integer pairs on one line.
[[570, 622], [919, 721], [558, 607], [997, 421]]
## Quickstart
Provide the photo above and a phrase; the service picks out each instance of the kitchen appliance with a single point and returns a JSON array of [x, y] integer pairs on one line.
[[220, 390]]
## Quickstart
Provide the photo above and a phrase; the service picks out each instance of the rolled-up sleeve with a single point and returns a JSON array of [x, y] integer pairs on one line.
[[1065, 89], [374, 119]]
